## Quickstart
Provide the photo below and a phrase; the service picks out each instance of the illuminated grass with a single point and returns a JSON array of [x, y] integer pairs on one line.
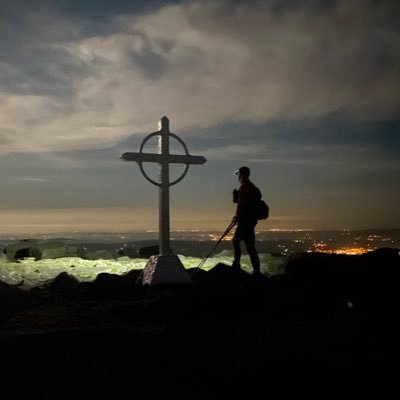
[[34, 273]]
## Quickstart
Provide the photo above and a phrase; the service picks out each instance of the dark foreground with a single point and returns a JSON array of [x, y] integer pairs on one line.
[[326, 329]]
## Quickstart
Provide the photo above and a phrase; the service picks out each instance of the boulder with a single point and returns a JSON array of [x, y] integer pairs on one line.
[[41, 249], [148, 251], [20, 250], [12, 299], [11, 295], [100, 254], [128, 252], [52, 250], [225, 278], [111, 286], [64, 284]]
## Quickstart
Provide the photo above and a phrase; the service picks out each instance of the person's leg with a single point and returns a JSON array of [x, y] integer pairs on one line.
[[255, 260], [237, 237], [251, 249]]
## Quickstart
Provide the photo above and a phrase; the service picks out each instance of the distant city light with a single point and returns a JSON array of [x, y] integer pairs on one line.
[[350, 251]]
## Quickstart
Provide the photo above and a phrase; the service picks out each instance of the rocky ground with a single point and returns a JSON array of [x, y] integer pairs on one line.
[[327, 328]]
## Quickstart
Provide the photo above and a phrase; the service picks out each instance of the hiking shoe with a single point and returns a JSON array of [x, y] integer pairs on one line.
[[236, 266]]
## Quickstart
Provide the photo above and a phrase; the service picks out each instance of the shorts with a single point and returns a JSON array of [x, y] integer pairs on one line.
[[245, 231]]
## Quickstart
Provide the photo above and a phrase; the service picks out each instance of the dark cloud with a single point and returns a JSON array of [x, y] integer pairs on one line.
[[43, 70], [346, 51], [205, 62], [307, 93], [151, 64], [104, 9]]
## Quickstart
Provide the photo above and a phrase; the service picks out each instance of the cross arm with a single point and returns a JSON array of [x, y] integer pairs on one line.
[[160, 158]]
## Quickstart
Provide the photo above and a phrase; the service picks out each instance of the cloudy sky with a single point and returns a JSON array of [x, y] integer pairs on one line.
[[306, 93]]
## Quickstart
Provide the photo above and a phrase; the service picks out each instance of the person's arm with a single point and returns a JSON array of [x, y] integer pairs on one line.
[[235, 200], [235, 196], [243, 201]]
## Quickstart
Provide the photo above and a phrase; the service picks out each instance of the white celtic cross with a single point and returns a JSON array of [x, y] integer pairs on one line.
[[164, 159]]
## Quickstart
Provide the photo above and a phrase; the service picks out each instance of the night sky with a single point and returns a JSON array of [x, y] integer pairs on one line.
[[306, 93]]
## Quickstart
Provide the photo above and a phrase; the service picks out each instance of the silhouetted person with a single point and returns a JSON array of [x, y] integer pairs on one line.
[[246, 198]]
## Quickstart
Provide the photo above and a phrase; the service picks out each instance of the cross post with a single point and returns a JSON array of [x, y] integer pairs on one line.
[[164, 218]]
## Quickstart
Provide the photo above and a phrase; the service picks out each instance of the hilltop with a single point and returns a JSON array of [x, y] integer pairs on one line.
[[325, 328]]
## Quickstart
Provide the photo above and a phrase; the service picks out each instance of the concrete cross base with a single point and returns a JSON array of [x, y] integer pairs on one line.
[[165, 270]]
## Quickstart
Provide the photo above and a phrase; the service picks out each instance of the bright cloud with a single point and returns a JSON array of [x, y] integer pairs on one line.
[[201, 63]]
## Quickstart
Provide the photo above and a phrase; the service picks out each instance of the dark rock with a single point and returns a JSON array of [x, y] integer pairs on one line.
[[64, 285], [52, 250], [148, 251], [199, 276], [369, 281], [331, 318], [21, 249], [86, 292], [222, 272], [11, 294], [100, 254], [133, 277], [109, 281], [41, 249], [111, 286], [225, 278], [12, 299], [130, 252], [23, 253], [317, 266]]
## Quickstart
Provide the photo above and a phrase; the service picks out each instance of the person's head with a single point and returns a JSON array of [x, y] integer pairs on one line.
[[243, 174]]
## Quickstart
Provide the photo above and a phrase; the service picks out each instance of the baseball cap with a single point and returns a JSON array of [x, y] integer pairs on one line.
[[243, 171]]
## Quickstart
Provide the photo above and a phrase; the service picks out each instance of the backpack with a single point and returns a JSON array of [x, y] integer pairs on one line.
[[262, 208]]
